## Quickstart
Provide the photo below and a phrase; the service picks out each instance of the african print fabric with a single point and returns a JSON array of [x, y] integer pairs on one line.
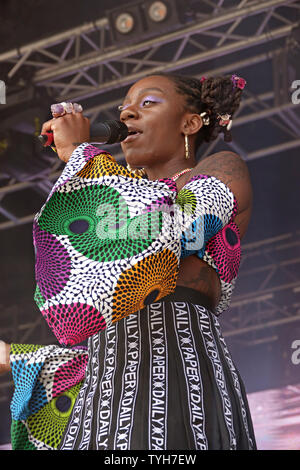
[[47, 380], [208, 235], [108, 242], [162, 378]]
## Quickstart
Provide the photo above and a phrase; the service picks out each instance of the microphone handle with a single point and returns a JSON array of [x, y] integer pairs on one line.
[[108, 132], [47, 139]]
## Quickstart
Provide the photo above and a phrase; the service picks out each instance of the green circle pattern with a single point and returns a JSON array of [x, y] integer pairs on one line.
[[48, 424], [111, 233], [187, 201], [63, 414]]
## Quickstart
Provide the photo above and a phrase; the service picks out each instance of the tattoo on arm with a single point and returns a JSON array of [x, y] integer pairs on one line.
[[233, 171], [226, 166], [203, 276]]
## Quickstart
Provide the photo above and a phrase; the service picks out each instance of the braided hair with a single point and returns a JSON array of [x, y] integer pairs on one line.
[[215, 95]]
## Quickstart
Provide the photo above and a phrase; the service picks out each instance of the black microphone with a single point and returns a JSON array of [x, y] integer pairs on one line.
[[107, 132]]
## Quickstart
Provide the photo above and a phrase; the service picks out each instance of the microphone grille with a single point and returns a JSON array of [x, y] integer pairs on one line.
[[118, 131]]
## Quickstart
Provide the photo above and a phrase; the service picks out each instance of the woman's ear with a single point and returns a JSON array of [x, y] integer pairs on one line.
[[192, 123]]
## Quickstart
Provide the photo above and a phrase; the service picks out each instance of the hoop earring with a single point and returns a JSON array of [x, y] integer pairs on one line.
[[186, 146], [136, 171]]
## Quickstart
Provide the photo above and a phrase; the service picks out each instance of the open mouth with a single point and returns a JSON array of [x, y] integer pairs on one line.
[[132, 135]]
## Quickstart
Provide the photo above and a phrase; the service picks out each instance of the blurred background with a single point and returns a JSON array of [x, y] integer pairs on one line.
[[91, 52]]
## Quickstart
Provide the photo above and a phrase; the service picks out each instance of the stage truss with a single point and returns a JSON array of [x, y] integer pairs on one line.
[[84, 65], [266, 298]]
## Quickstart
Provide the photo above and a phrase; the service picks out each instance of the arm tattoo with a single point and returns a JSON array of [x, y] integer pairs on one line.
[[226, 166], [203, 276]]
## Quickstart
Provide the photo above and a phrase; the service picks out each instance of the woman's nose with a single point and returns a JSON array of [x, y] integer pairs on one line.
[[129, 113]]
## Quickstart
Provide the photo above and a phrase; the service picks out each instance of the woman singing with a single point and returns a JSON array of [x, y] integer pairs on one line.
[[157, 373]]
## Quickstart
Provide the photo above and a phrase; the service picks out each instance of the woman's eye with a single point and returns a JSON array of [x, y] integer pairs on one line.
[[143, 103], [148, 101]]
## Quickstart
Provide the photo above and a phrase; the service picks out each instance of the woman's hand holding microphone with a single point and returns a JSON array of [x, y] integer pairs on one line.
[[4, 357], [69, 128]]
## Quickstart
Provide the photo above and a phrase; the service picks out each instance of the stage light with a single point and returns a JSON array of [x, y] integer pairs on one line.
[[158, 11], [162, 16], [124, 23], [141, 19]]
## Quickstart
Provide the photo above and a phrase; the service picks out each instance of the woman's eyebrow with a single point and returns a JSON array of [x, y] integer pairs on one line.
[[146, 90]]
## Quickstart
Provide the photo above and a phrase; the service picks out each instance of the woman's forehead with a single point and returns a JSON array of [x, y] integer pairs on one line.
[[154, 83]]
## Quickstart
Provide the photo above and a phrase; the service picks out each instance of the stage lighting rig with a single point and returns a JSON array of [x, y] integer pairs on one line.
[[158, 11], [163, 16], [293, 46], [142, 19], [124, 23]]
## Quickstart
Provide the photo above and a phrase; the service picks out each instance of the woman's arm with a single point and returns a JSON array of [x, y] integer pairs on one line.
[[232, 170], [4, 357]]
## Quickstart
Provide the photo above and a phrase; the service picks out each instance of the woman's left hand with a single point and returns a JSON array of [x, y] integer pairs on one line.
[[69, 130], [4, 357]]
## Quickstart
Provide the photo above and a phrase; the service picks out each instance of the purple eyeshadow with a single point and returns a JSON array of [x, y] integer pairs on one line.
[[153, 98], [150, 98]]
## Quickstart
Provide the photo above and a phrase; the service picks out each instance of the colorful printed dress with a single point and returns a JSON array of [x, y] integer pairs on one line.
[[157, 373]]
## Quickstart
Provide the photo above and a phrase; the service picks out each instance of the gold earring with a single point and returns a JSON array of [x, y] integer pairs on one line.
[[186, 146], [136, 171]]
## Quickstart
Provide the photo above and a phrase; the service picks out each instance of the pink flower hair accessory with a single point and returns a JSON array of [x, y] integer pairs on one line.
[[238, 82]]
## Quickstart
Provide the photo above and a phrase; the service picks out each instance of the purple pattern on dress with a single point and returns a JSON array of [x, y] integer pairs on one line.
[[163, 203], [173, 186], [169, 182], [53, 263], [90, 151], [198, 177]]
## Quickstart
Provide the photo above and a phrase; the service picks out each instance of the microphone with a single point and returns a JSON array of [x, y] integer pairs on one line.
[[107, 132]]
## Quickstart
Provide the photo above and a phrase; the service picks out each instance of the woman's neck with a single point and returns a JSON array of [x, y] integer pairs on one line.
[[169, 170]]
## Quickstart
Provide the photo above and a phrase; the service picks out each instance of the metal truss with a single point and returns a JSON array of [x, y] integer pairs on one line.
[[268, 268], [267, 296], [83, 64], [185, 47], [267, 293], [76, 73]]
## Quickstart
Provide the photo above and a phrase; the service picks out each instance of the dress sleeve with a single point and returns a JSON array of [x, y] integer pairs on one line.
[[207, 211], [205, 205], [47, 380], [103, 247]]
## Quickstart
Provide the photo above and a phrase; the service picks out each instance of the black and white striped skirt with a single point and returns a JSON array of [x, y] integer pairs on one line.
[[161, 379]]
